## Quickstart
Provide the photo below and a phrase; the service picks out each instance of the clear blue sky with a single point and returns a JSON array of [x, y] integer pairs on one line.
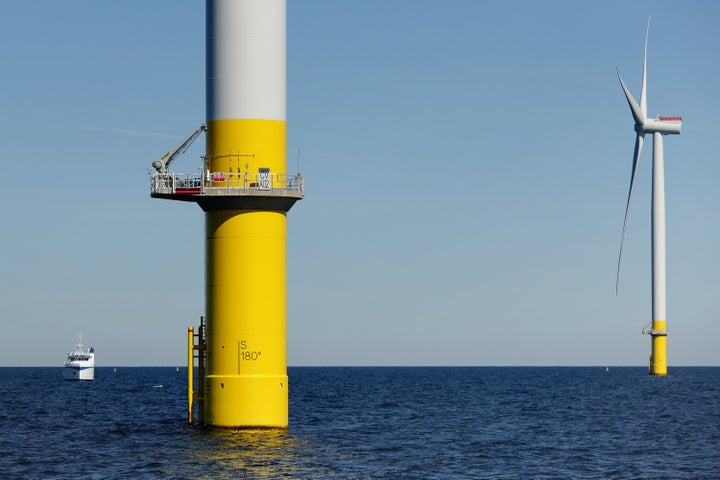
[[466, 168]]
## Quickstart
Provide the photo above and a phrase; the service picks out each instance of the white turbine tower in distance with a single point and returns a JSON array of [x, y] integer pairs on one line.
[[658, 127]]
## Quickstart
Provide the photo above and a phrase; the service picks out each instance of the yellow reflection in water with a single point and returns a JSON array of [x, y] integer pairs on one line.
[[221, 454]]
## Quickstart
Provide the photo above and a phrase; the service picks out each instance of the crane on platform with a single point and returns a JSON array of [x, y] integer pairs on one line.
[[162, 165]]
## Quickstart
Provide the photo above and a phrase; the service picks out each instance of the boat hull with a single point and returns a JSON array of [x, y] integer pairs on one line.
[[78, 373]]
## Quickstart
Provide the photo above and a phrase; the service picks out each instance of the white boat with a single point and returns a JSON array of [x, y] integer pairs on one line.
[[80, 365]]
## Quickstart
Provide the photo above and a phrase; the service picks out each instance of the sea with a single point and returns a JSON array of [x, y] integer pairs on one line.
[[372, 423]]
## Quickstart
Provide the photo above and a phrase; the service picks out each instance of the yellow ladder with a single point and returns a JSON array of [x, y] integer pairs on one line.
[[196, 394]]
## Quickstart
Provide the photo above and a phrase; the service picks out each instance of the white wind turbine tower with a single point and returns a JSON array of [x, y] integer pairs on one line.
[[658, 126]]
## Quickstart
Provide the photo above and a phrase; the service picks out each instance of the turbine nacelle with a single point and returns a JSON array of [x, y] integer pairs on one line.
[[660, 124], [643, 125]]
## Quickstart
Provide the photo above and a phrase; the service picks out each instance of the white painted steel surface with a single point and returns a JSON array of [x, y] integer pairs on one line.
[[658, 230], [246, 61]]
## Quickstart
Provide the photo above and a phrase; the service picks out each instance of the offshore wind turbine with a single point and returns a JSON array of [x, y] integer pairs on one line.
[[658, 127], [246, 193]]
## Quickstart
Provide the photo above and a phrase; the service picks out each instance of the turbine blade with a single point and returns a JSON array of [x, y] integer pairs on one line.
[[643, 90], [636, 160], [637, 112]]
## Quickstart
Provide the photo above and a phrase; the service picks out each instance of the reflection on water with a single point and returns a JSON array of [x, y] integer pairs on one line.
[[220, 454]]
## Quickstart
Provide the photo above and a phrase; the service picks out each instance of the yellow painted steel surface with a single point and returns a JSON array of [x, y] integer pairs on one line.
[[243, 146], [246, 332], [246, 380], [658, 359], [190, 380]]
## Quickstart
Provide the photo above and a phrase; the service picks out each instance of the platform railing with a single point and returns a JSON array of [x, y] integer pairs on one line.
[[227, 183]]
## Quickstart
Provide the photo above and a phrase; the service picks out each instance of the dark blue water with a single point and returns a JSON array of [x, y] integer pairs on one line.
[[372, 423]]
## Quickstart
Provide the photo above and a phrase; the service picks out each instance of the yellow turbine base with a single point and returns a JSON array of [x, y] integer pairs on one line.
[[246, 383], [247, 401], [658, 358]]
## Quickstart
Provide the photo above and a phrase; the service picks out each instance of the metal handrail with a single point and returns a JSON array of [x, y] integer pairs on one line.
[[226, 183]]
